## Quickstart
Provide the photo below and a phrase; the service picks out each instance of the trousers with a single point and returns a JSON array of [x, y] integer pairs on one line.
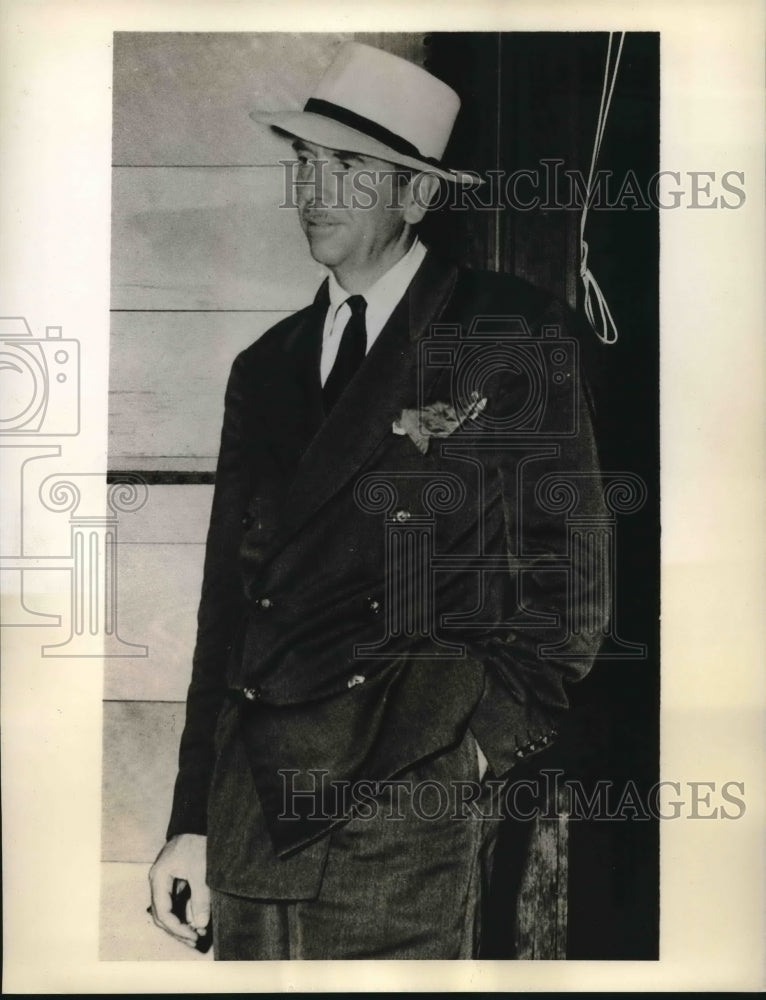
[[404, 877]]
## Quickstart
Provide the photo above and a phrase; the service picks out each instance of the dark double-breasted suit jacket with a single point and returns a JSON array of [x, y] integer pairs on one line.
[[375, 602]]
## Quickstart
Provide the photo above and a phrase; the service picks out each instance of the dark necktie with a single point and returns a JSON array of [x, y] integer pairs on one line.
[[351, 351]]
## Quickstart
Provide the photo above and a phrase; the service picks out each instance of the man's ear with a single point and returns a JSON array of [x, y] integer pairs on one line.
[[420, 192]]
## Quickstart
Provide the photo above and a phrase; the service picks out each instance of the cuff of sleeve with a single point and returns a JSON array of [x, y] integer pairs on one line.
[[506, 730], [188, 814]]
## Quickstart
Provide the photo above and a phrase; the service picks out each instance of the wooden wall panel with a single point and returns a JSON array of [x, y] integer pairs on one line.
[[172, 515], [160, 555], [184, 98], [207, 238], [159, 589], [139, 763], [167, 377]]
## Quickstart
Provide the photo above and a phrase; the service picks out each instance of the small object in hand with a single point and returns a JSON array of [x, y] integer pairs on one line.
[[180, 897]]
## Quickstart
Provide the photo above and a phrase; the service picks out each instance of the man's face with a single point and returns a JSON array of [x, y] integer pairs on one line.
[[349, 205]]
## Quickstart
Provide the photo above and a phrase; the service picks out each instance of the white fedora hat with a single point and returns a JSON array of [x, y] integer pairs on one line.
[[375, 103]]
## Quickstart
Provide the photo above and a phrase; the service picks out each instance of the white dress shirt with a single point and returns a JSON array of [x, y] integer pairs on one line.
[[382, 298]]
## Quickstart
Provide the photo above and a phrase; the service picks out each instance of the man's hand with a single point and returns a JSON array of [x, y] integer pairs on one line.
[[183, 857]]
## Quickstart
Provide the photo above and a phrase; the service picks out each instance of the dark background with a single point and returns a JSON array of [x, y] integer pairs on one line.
[[527, 97]]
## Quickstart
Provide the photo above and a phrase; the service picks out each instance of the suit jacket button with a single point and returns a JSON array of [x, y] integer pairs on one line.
[[356, 679], [373, 606], [251, 694], [402, 515], [247, 520], [265, 603]]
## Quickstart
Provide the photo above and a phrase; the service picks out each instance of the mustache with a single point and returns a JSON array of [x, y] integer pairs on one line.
[[319, 215]]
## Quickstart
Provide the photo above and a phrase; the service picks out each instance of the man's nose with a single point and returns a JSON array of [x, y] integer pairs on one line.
[[319, 186]]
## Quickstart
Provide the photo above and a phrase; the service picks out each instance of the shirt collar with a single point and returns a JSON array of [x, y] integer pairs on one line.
[[383, 296]]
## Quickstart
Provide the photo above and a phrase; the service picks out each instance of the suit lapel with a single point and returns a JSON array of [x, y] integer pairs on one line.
[[383, 386], [290, 395]]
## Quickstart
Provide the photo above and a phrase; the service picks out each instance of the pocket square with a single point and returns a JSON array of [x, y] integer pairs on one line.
[[435, 420]]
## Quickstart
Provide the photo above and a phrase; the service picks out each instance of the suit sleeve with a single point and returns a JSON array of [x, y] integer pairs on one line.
[[221, 607], [525, 679]]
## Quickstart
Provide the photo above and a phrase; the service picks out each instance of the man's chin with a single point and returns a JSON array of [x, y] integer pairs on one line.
[[323, 248]]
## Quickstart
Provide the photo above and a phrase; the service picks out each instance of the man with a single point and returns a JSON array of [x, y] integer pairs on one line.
[[385, 615]]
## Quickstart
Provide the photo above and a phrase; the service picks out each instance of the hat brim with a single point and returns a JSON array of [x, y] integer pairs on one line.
[[334, 135]]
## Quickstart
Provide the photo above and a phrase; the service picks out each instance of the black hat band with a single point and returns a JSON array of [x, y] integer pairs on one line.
[[343, 116]]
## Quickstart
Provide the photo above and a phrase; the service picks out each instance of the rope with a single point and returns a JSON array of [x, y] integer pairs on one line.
[[606, 330]]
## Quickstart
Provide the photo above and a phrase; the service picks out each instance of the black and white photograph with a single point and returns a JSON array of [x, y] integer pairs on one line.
[[423, 712], [385, 580]]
